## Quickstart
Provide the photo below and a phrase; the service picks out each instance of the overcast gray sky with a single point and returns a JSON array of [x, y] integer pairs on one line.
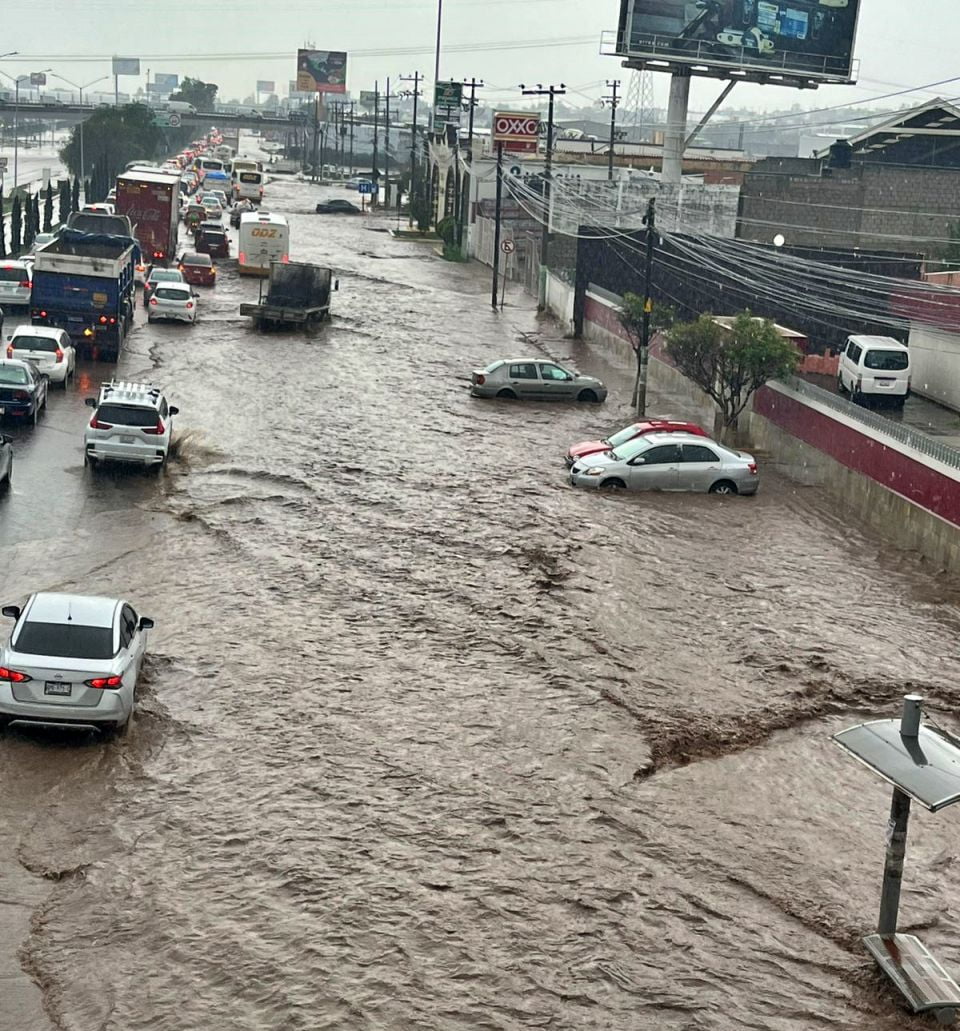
[[899, 45]]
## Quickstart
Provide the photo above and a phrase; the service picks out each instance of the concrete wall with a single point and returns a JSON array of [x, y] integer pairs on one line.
[[935, 358]]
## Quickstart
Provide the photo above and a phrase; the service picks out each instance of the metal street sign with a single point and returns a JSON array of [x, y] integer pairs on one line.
[[448, 94], [517, 130], [515, 170], [126, 66], [167, 118], [366, 187], [508, 246]]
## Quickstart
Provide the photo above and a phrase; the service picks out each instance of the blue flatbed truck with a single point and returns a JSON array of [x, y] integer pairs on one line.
[[84, 283]]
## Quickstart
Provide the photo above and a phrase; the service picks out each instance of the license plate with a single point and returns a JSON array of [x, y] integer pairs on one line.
[[53, 687], [127, 440]]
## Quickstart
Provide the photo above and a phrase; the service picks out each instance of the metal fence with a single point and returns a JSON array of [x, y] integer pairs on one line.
[[913, 438]]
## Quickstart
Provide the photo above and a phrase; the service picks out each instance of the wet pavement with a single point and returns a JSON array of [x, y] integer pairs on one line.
[[428, 739]]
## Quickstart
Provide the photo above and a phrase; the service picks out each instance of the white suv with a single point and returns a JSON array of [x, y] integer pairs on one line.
[[16, 283], [132, 422], [47, 348]]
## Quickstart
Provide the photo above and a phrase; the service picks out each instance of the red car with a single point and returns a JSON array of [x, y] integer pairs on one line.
[[198, 269], [631, 432]]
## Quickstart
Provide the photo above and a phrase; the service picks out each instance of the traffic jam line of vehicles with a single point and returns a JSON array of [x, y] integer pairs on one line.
[[657, 454]]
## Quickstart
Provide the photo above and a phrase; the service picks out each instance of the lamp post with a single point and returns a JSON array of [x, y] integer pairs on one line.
[[77, 86], [16, 118]]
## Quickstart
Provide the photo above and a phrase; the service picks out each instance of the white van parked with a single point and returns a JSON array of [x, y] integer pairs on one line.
[[875, 367], [263, 238]]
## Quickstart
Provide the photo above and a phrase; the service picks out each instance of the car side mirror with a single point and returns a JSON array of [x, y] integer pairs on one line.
[[173, 410], [146, 623], [11, 611], [90, 402], [639, 460]]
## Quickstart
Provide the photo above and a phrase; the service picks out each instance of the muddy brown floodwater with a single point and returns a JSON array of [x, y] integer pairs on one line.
[[428, 739]]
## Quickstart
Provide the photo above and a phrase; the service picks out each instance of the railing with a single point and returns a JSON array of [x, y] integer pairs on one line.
[[913, 438]]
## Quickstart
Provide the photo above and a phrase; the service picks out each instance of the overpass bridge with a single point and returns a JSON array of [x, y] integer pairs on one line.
[[71, 114]]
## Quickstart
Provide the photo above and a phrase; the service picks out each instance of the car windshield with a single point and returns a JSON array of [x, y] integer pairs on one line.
[[10, 274], [886, 361], [66, 640], [164, 275], [627, 451], [126, 415], [217, 236], [172, 293], [196, 259], [30, 343], [13, 374], [621, 437]]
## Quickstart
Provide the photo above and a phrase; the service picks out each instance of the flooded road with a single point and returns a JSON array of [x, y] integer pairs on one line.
[[429, 740]]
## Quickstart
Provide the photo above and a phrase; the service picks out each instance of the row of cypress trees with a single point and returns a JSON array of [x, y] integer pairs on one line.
[[27, 219]]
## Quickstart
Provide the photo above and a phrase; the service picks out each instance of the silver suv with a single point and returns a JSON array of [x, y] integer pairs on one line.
[[132, 422]]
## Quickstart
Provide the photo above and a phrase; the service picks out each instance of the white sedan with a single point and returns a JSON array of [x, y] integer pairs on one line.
[[174, 301], [72, 660], [49, 350]]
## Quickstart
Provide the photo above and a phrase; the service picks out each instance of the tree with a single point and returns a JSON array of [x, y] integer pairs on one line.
[[3, 227], [75, 196], [630, 314], [951, 253], [48, 209], [729, 365], [37, 220], [64, 201], [16, 224], [113, 137], [29, 225], [203, 95], [420, 207]]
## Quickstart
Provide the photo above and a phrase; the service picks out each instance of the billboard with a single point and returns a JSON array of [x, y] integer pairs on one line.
[[266, 86], [165, 83], [38, 79], [322, 71], [126, 66], [518, 131], [368, 99], [809, 38], [447, 100]]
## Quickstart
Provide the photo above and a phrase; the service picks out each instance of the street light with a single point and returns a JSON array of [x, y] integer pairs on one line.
[[76, 85], [16, 117]]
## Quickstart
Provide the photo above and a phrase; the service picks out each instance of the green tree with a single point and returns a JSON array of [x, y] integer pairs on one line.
[[16, 224], [951, 253], [729, 365], [29, 225], [64, 201], [37, 221], [75, 196], [203, 95], [3, 227], [420, 208], [112, 137], [48, 209]]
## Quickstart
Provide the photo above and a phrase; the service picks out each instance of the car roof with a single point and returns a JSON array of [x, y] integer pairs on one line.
[[25, 330], [17, 362], [677, 438], [145, 394], [84, 609], [866, 340], [515, 361]]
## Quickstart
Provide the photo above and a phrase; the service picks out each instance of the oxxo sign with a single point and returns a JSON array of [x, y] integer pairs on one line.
[[517, 130]]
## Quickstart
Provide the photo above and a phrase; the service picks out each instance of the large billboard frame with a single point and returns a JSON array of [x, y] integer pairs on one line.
[[737, 58], [318, 71]]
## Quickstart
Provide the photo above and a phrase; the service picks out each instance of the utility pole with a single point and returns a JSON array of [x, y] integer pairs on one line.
[[374, 174], [463, 200], [386, 148], [613, 100], [643, 358], [551, 92], [351, 138], [496, 226], [474, 85], [415, 79]]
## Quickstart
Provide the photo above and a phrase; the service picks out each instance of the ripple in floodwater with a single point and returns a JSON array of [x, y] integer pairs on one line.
[[429, 739]]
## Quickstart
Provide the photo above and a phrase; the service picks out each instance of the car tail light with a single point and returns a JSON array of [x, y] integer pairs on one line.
[[113, 321], [285, 259], [157, 430], [158, 254], [242, 258], [43, 315], [752, 466], [13, 675], [189, 304], [59, 354], [101, 682], [103, 320], [95, 424], [153, 300], [26, 284], [480, 380]]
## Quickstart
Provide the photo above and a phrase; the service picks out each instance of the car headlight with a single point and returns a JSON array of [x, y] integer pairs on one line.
[[595, 471]]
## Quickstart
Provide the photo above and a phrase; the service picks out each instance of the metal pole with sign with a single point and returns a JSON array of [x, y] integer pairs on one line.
[[496, 227], [508, 247]]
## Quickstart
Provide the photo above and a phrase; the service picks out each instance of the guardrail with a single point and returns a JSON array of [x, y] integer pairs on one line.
[[913, 438]]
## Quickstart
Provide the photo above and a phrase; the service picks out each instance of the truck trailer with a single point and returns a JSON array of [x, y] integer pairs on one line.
[[84, 283], [298, 295], [151, 200]]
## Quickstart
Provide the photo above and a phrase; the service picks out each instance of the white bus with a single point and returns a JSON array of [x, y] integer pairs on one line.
[[263, 238], [248, 185]]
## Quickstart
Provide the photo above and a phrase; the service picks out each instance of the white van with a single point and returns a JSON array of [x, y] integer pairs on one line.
[[182, 107], [875, 367], [248, 185], [239, 165], [263, 238]]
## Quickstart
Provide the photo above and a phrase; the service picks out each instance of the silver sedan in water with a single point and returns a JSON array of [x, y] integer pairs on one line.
[[533, 379], [669, 461]]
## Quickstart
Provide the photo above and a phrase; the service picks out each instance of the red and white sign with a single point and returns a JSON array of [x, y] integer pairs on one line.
[[518, 131]]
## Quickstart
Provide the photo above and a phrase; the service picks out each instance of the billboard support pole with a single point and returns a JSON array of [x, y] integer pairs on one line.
[[711, 111], [374, 174], [496, 225], [676, 130]]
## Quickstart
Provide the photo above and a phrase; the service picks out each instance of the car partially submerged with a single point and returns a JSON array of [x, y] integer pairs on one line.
[[534, 379], [628, 433]]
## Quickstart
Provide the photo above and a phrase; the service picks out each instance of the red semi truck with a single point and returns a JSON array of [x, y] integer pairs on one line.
[[151, 200]]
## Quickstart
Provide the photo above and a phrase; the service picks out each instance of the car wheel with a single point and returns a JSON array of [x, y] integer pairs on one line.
[[36, 415], [91, 461], [613, 484], [724, 487], [149, 320], [841, 389], [587, 397], [507, 394]]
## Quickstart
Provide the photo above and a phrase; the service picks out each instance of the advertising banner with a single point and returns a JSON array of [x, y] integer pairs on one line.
[[126, 66], [809, 38], [367, 99], [38, 79], [165, 83], [518, 131], [266, 86], [322, 71], [447, 101]]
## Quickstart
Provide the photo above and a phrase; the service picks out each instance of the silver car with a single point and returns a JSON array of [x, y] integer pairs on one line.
[[534, 379], [669, 461], [72, 660]]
